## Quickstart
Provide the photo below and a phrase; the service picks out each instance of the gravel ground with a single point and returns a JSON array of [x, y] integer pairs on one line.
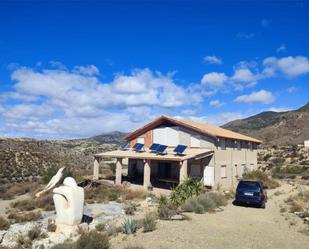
[[235, 227]]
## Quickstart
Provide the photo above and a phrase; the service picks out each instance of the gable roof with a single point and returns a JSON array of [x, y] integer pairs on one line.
[[205, 129]]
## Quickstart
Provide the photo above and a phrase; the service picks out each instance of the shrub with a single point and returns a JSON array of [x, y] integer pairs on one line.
[[129, 226], [130, 208], [51, 226], [36, 233], [100, 227], [10, 190], [162, 200], [92, 240], [113, 231], [149, 222], [165, 212], [266, 157], [4, 223], [262, 177], [25, 216], [204, 202], [298, 202], [23, 242], [187, 188]]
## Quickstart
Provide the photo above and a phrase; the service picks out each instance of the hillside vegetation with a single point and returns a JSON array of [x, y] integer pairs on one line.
[[275, 128]]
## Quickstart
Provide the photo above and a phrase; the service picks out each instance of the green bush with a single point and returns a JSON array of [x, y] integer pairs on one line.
[[149, 222], [186, 189], [262, 177], [266, 157], [129, 226], [162, 200], [4, 223], [92, 240]]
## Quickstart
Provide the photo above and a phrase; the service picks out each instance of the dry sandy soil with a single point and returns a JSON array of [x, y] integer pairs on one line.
[[235, 227]]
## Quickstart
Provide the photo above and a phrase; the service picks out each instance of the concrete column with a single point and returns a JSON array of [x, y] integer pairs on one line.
[[118, 171], [183, 172], [96, 166], [147, 173]]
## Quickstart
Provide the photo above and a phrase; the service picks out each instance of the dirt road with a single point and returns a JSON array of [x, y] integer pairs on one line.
[[235, 227]]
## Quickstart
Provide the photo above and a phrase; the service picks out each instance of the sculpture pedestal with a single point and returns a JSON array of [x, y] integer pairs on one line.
[[66, 230]]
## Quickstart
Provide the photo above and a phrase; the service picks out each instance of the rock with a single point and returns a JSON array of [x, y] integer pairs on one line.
[[83, 228], [177, 217], [306, 220]]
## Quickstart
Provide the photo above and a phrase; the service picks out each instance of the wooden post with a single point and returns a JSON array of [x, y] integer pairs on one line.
[[118, 171], [96, 166], [183, 172], [147, 173]]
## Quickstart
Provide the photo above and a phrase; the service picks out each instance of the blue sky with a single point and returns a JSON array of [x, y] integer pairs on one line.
[[76, 69]]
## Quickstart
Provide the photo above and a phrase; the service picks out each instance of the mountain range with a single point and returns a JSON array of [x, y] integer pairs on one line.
[[275, 128]]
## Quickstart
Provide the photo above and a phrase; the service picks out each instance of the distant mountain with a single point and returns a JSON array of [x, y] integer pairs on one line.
[[278, 128], [115, 137]]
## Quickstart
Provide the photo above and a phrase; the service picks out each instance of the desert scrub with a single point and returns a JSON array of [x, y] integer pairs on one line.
[[4, 223], [207, 202], [165, 212], [100, 227], [93, 240], [262, 177], [149, 222], [129, 226], [130, 208], [36, 233], [108, 192], [10, 190], [44, 202], [51, 226], [134, 247], [24, 216], [298, 202], [186, 189]]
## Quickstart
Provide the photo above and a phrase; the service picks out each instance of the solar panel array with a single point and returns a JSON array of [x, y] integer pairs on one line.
[[125, 146], [138, 147], [179, 150], [154, 147], [161, 149]]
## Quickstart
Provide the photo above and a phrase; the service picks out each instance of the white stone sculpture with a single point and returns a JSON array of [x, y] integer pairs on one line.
[[68, 200]]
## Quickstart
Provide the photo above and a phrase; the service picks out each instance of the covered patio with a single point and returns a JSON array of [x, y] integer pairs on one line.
[[156, 167]]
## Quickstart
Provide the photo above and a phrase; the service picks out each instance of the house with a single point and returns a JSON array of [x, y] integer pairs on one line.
[[214, 155]]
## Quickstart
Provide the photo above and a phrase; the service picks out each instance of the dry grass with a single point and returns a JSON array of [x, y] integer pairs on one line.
[[298, 202], [10, 190], [24, 216], [4, 223], [108, 192]]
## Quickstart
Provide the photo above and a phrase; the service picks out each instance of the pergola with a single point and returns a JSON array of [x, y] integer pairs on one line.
[[147, 156]]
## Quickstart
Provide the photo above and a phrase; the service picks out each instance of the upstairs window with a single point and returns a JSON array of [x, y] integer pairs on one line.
[[223, 171], [223, 143]]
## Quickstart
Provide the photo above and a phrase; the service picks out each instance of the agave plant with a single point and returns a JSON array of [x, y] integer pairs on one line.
[[129, 226]]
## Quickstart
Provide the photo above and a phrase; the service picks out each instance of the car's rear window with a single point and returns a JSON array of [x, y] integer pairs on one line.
[[248, 185]]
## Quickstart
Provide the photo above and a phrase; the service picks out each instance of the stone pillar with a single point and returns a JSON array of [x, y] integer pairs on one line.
[[96, 166], [118, 171], [147, 173], [183, 172]]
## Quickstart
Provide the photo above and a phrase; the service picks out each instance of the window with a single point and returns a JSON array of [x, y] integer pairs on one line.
[[140, 140], [222, 144], [223, 171], [250, 146]]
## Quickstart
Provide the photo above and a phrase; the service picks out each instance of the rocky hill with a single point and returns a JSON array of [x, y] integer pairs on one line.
[[25, 159], [275, 128]]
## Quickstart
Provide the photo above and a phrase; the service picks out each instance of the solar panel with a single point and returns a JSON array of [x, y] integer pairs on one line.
[[138, 147], [125, 146], [180, 149], [154, 147], [161, 149]]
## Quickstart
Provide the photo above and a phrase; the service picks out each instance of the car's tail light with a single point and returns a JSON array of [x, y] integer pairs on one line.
[[261, 195]]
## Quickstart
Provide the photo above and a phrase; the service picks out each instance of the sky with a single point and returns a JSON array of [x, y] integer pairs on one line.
[[72, 69]]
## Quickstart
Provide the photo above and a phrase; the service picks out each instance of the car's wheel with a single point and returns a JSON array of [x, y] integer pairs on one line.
[[262, 205]]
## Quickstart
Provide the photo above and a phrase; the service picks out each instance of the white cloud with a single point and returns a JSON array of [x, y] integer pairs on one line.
[[245, 35], [262, 96], [282, 48], [216, 103], [243, 77], [290, 66], [214, 80], [211, 59], [279, 109], [75, 103], [291, 89]]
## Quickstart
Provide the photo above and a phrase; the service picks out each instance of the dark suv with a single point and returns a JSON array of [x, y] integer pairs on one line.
[[250, 192]]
